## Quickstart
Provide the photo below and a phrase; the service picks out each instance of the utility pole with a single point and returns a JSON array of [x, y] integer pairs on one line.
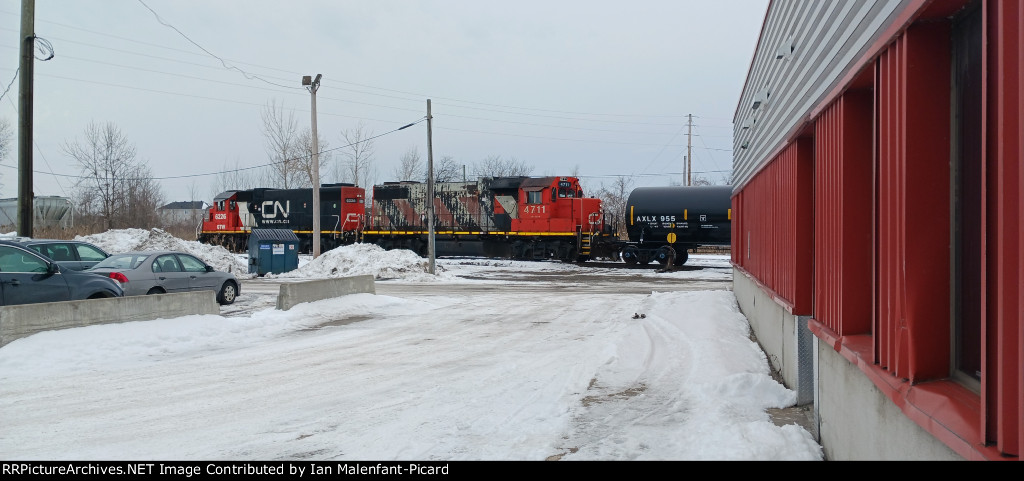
[[26, 198], [312, 86], [430, 189], [689, 129]]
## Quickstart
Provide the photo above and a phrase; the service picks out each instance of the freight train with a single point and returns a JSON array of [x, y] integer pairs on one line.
[[530, 218], [515, 217]]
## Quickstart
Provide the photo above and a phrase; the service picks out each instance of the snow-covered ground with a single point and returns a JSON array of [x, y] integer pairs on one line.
[[486, 360]]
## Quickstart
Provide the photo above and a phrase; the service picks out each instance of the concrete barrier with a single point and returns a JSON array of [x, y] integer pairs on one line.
[[295, 293], [27, 319]]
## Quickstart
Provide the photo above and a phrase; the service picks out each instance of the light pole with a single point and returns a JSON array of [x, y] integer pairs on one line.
[[430, 190], [312, 85]]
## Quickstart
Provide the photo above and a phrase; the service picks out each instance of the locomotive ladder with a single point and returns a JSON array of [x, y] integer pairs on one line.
[[585, 245]]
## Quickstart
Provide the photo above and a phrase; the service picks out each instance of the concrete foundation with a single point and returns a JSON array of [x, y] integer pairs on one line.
[[293, 294], [854, 420], [24, 320]]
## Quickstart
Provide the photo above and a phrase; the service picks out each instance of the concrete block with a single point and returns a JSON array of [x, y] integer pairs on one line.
[[293, 294], [27, 319]]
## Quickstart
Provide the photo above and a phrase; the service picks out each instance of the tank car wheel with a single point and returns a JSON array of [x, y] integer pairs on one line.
[[630, 255], [681, 256], [665, 255]]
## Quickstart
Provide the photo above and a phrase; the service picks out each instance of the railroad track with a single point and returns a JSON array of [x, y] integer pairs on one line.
[[653, 266]]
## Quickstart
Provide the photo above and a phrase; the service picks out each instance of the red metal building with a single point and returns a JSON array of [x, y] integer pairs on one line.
[[877, 231]]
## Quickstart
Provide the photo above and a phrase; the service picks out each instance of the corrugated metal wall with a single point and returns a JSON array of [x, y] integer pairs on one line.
[[843, 168], [773, 217], [913, 310]]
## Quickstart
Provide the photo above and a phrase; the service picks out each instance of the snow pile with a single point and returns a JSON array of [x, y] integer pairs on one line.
[[366, 259], [127, 240]]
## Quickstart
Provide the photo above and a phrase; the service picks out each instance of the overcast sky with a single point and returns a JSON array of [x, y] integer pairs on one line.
[[598, 87]]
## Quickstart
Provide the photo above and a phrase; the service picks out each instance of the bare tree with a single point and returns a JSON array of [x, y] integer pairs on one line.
[[233, 178], [142, 199], [304, 163], [496, 166], [447, 170], [700, 180], [6, 137], [410, 166], [114, 184], [193, 196], [613, 202], [358, 155], [281, 132]]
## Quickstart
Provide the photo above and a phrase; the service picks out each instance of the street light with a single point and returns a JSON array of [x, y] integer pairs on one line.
[[312, 85]]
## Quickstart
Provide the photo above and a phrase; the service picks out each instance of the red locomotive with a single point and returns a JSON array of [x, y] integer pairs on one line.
[[511, 217]]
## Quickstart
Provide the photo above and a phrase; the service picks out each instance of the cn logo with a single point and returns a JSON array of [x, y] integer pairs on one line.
[[275, 208], [703, 218]]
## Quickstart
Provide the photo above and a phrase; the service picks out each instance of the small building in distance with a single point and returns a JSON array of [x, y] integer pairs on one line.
[[183, 212]]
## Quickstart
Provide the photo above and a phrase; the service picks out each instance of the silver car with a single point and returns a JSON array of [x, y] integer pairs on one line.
[[160, 272]]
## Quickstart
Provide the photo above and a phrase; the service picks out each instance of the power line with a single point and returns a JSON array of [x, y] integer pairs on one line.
[[200, 47], [15, 77], [417, 96], [240, 169]]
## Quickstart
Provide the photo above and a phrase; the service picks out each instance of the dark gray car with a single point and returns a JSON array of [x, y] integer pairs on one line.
[[70, 254], [162, 272], [27, 277]]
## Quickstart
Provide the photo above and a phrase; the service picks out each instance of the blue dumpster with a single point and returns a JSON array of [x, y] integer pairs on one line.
[[273, 251]]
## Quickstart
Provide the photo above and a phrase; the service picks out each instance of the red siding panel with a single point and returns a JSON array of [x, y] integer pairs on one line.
[[913, 264], [843, 172], [773, 219], [1002, 326], [1020, 227]]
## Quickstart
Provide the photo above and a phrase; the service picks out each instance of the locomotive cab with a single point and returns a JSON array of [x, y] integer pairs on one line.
[[556, 204], [223, 225]]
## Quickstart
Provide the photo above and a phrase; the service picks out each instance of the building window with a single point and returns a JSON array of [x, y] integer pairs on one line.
[[968, 190]]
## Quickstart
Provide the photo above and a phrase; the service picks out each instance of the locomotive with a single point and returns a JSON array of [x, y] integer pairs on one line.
[[531, 218], [664, 223], [234, 214]]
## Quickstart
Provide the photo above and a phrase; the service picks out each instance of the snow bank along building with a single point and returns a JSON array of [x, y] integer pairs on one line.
[[877, 221]]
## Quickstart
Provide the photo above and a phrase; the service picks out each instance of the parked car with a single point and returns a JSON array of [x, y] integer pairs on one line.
[[69, 254], [27, 277], [161, 272]]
